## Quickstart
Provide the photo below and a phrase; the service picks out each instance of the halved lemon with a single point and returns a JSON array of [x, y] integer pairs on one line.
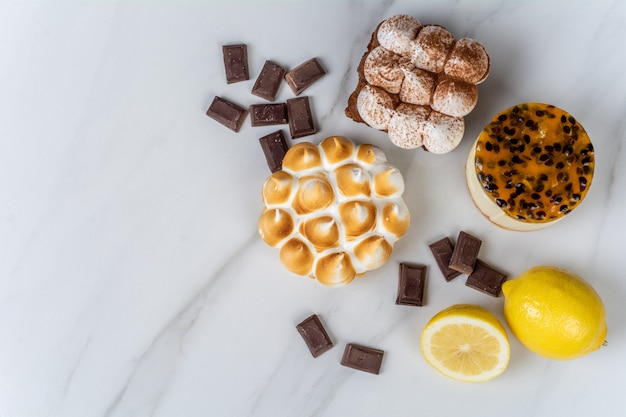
[[467, 343]]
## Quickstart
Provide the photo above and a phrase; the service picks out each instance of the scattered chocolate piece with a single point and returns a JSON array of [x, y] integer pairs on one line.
[[486, 279], [315, 335], [465, 253], [227, 113], [442, 251], [274, 147], [411, 280], [362, 358], [305, 74], [268, 114], [267, 83], [235, 63], [300, 117]]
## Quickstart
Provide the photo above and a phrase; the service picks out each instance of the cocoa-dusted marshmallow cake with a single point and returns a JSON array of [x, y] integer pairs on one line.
[[335, 210], [417, 82]]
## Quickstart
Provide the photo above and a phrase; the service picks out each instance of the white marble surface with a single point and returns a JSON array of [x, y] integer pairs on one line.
[[133, 281]]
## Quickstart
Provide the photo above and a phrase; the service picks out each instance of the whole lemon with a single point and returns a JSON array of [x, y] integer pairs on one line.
[[554, 313]]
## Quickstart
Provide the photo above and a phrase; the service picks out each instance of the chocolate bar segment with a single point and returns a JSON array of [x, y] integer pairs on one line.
[[300, 117], [314, 335], [268, 82], [486, 279], [362, 358], [274, 147], [235, 63], [442, 251], [411, 281], [465, 253], [305, 74], [268, 114], [227, 113]]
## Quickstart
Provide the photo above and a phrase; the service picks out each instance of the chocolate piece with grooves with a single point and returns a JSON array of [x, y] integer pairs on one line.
[[305, 74], [274, 147], [442, 251], [267, 83], [314, 335], [227, 113], [465, 253], [268, 114], [411, 281], [235, 63], [300, 117], [362, 358], [486, 279]]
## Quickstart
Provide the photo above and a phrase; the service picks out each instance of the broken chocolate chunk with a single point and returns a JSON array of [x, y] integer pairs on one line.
[[268, 114], [274, 147], [486, 279], [227, 113], [235, 63], [300, 117], [465, 253], [411, 281], [362, 358], [442, 251], [305, 74], [267, 83], [314, 335]]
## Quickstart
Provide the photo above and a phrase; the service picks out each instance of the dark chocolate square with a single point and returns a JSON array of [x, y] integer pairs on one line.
[[274, 147], [465, 253], [362, 358], [442, 251], [235, 63], [268, 82], [314, 335], [305, 74], [300, 117], [268, 114], [486, 279], [411, 281], [227, 113]]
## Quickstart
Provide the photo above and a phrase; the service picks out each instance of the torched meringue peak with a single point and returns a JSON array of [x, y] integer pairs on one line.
[[275, 225], [314, 193], [387, 180], [373, 251], [370, 154], [395, 218], [322, 232], [357, 217], [334, 211], [335, 269], [302, 156], [337, 149], [277, 188], [297, 257], [353, 180]]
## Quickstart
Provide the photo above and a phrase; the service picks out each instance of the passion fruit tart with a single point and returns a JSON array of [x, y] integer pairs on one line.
[[530, 167]]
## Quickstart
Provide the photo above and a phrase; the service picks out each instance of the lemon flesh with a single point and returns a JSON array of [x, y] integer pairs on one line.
[[554, 313], [466, 343]]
